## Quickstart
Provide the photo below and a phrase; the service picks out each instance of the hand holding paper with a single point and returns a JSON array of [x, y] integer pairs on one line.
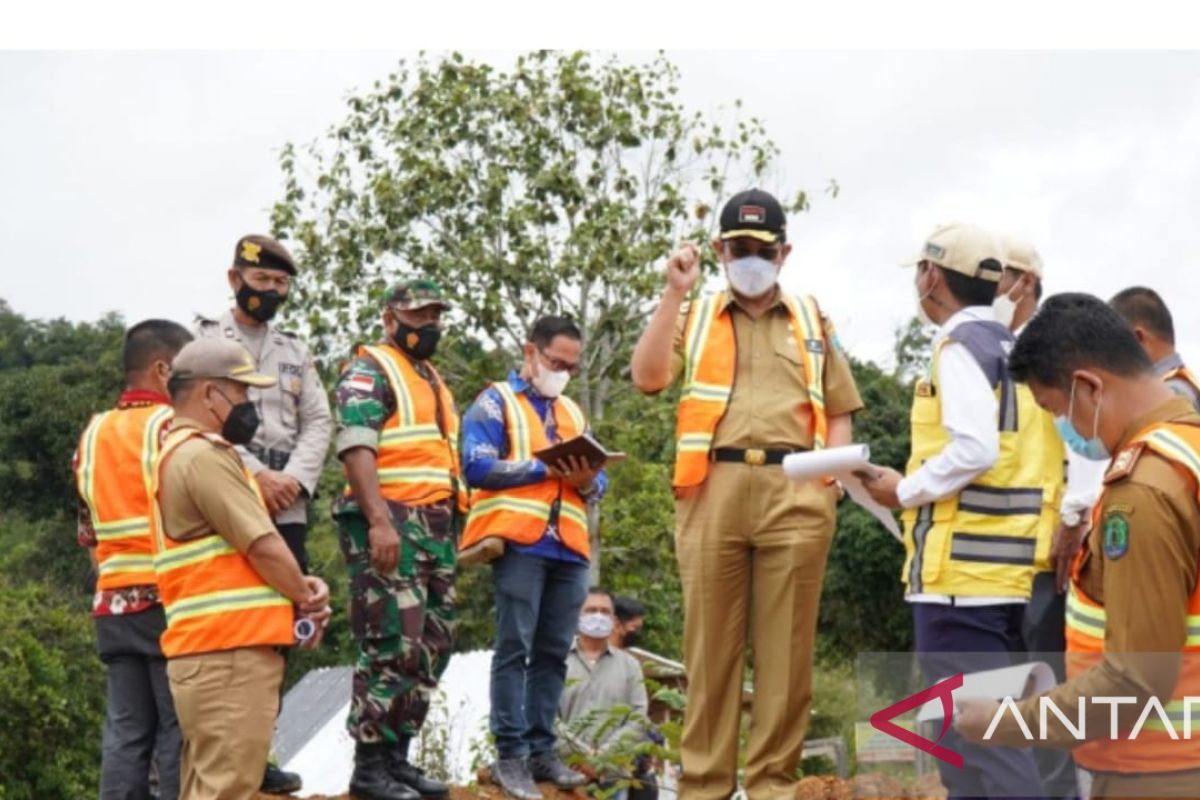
[[846, 464]]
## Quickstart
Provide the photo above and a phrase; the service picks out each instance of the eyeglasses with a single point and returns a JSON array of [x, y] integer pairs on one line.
[[558, 365], [739, 250]]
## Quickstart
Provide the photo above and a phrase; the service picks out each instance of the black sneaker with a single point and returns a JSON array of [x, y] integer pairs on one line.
[[549, 767], [512, 775], [276, 781], [414, 778]]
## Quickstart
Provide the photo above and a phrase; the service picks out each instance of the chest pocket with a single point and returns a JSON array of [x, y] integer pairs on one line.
[[926, 408], [790, 361], [291, 380]]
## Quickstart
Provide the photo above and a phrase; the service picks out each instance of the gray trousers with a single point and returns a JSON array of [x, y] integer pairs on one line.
[[140, 723]]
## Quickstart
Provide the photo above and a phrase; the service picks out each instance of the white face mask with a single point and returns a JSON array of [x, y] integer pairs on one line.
[[1005, 309], [752, 276], [550, 383], [596, 625], [922, 314]]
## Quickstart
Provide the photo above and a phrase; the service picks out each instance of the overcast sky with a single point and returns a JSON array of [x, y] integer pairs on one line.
[[125, 178]]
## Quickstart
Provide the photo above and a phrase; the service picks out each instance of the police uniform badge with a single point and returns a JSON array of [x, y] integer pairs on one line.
[[250, 252], [1115, 529]]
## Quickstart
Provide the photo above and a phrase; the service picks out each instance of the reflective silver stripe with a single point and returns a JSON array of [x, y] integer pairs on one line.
[[1000, 502], [991, 549], [1008, 405], [921, 528]]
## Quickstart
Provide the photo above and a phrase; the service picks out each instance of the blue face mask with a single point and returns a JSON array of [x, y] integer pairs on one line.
[[1092, 448]]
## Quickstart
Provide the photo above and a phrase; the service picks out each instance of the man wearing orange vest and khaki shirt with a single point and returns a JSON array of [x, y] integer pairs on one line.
[[113, 475], [397, 437], [762, 377], [229, 584], [1133, 611], [537, 514]]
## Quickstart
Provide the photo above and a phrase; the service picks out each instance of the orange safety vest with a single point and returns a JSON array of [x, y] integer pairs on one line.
[[710, 359], [520, 514], [114, 473], [1154, 749], [417, 463], [213, 597]]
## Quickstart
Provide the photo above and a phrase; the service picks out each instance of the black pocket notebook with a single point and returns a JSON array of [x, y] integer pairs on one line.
[[582, 447]]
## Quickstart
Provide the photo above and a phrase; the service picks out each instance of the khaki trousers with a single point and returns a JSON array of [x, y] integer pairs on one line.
[[226, 703], [751, 546]]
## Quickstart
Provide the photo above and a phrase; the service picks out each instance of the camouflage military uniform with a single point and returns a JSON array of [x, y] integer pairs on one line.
[[403, 622]]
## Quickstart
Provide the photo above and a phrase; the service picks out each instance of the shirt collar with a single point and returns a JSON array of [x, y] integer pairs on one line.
[[968, 314], [607, 651], [730, 300], [141, 397], [1165, 365], [1166, 411]]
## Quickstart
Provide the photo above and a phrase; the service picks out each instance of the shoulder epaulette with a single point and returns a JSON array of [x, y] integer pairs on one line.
[[1124, 462]]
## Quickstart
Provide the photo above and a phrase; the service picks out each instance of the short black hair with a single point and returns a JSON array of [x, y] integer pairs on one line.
[[627, 608], [1144, 307], [601, 590], [1075, 331], [971, 291], [152, 340], [546, 328]]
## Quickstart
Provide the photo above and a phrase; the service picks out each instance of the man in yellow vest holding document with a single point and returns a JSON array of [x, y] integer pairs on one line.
[[973, 497], [762, 377]]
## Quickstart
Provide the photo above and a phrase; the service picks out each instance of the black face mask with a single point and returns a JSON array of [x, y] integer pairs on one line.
[[420, 343], [240, 423], [632, 638], [259, 305]]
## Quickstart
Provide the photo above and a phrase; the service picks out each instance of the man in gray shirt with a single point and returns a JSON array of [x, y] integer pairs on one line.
[[600, 677], [1151, 321]]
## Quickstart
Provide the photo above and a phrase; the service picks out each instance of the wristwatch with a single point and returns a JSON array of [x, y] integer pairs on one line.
[[1072, 518]]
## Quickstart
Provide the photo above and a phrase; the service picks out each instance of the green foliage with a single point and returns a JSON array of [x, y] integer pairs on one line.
[[52, 693], [53, 376], [862, 600], [550, 188]]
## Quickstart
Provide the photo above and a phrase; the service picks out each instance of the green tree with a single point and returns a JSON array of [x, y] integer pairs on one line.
[[52, 694]]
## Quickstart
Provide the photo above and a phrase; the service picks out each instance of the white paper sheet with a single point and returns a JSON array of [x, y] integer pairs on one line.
[[841, 463], [1018, 681]]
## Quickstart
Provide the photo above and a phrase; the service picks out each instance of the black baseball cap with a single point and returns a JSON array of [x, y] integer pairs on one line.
[[756, 214]]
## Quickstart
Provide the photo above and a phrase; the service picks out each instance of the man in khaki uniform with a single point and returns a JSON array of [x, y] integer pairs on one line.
[[751, 543], [1154, 328], [227, 580], [1133, 612]]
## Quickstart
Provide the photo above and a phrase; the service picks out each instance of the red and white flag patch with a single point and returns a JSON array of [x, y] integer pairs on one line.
[[361, 383], [752, 214]]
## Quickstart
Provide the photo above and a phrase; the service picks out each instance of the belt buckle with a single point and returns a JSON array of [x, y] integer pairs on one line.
[[755, 457]]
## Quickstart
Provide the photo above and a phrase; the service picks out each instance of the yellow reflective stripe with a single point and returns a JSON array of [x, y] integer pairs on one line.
[[1193, 630], [150, 444], [1085, 619], [404, 403], [694, 442], [130, 529], [520, 443], [814, 362], [514, 504], [225, 600], [571, 512], [411, 433], [694, 345], [1172, 445], [414, 475], [574, 411], [86, 469], [707, 391], [123, 562], [185, 555], [1176, 712]]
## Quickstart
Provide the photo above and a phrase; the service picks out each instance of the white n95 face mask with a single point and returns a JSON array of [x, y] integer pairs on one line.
[[752, 276], [550, 383], [1005, 309]]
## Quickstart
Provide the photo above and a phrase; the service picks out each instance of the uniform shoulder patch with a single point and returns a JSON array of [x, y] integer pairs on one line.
[[1124, 462], [1115, 528]]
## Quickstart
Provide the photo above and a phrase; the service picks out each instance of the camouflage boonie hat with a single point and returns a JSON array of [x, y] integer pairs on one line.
[[416, 294]]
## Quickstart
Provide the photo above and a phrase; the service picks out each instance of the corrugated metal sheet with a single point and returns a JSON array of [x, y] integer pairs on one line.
[[309, 706]]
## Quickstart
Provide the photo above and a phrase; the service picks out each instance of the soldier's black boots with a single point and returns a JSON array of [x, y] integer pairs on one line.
[[372, 778], [413, 777]]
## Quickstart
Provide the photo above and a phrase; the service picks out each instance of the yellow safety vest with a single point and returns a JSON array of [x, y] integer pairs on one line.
[[983, 540]]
